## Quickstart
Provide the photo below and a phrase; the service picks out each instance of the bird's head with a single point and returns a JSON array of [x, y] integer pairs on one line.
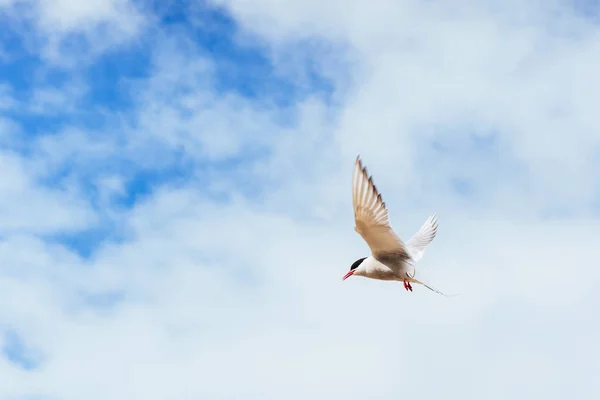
[[354, 268]]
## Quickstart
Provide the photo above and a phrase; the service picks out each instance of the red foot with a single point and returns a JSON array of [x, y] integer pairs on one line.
[[407, 286]]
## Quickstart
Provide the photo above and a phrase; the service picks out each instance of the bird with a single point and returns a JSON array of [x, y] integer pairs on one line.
[[391, 259]]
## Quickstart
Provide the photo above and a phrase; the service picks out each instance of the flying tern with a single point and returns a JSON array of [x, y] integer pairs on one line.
[[391, 258]]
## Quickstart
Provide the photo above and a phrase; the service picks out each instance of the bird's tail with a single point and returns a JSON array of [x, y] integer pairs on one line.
[[432, 288]]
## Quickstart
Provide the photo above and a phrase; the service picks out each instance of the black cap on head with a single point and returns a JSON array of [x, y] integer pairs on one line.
[[357, 263]]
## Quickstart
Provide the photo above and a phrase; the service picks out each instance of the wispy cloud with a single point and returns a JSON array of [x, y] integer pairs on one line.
[[175, 203]]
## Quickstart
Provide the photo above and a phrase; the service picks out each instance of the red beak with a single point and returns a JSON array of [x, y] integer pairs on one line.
[[348, 275]]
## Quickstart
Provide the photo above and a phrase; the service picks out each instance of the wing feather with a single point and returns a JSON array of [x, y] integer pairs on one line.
[[425, 235], [371, 215]]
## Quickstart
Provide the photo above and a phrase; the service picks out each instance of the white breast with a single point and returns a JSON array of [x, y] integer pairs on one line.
[[371, 268]]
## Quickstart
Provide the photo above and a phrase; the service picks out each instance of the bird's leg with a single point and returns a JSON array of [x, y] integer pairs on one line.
[[407, 286]]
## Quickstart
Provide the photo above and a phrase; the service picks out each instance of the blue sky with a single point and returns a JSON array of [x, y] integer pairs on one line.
[[175, 209], [106, 90]]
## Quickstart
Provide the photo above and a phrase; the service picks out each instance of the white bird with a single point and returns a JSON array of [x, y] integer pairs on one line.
[[391, 259]]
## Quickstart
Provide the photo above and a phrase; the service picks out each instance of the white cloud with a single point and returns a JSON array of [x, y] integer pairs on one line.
[[27, 206], [69, 15], [244, 299], [71, 33], [521, 72], [189, 328]]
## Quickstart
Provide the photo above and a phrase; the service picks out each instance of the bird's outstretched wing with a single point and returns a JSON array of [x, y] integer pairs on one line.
[[371, 216], [416, 244]]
